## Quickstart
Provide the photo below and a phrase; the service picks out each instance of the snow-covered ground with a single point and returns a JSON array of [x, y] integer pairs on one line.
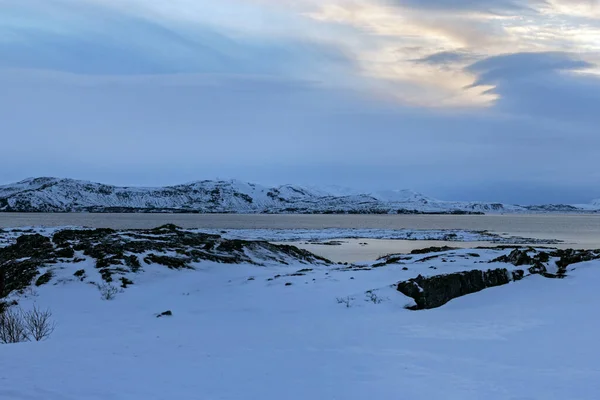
[[238, 332]]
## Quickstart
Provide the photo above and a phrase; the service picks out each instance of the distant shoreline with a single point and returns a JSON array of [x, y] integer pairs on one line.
[[578, 230]]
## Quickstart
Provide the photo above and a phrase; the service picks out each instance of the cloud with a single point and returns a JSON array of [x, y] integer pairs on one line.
[[518, 65], [491, 6], [446, 57], [442, 97], [88, 38], [167, 129], [545, 86]]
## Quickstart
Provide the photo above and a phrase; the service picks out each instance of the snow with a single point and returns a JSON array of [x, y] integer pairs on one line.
[[402, 196], [234, 196], [235, 338]]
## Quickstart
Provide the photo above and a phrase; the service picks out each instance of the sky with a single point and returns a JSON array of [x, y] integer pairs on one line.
[[492, 100]]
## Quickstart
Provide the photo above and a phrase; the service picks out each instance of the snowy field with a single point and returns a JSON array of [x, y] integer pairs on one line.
[[256, 332]]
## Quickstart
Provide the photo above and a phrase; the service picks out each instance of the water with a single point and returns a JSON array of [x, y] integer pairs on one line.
[[579, 231]]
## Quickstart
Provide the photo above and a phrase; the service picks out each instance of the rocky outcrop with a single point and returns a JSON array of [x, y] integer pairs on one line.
[[20, 263], [119, 253], [435, 291], [538, 260]]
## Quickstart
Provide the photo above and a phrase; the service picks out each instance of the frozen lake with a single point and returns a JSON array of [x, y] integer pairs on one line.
[[580, 231]]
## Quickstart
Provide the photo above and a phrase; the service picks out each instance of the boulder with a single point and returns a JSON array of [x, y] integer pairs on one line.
[[435, 291]]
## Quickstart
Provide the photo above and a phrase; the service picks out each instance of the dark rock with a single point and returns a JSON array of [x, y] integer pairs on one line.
[[537, 268], [432, 250], [167, 313], [43, 279], [125, 282], [543, 257], [288, 284], [570, 256], [518, 274], [167, 261], [66, 252], [517, 257], [116, 253], [166, 228], [435, 291], [70, 235], [429, 258], [567, 257], [80, 274], [328, 243], [33, 242], [34, 246], [390, 259], [133, 262], [106, 274], [20, 262]]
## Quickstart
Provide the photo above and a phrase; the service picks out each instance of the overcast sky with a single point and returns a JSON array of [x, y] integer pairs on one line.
[[459, 99]]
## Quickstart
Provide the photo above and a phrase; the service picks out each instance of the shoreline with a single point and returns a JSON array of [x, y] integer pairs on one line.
[[347, 245], [385, 234]]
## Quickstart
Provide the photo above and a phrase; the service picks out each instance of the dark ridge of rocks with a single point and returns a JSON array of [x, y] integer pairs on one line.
[[433, 250], [517, 257], [64, 236], [391, 259], [34, 246], [328, 243], [538, 259], [125, 282], [45, 278], [428, 258], [120, 252], [398, 258], [167, 261], [167, 313], [570, 256], [435, 291], [20, 262], [405, 211]]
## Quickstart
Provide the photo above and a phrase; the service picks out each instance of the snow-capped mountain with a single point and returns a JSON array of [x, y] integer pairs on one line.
[[68, 195]]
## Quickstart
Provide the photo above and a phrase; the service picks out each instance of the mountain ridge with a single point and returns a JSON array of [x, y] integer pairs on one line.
[[48, 194]]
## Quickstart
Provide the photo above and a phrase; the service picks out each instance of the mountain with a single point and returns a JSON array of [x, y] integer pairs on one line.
[[68, 195]]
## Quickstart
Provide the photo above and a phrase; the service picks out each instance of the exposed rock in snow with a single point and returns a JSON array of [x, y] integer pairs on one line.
[[437, 290], [122, 254], [434, 291]]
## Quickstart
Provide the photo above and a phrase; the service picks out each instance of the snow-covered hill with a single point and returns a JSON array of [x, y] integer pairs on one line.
[[68, 195]]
